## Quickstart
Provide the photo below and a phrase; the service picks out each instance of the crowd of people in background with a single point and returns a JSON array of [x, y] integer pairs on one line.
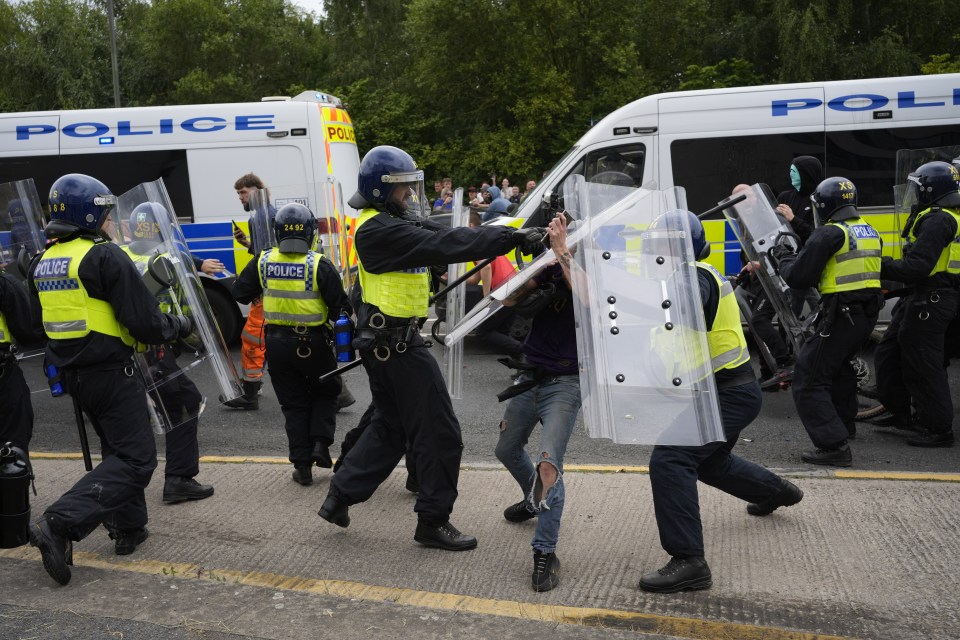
[[489, 200]]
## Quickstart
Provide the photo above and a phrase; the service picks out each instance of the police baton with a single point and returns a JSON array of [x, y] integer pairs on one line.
[[723, 205], [451, 285], [82, 429], [336, 372]]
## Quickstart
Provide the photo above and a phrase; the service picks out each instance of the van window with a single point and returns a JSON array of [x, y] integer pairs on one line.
[[119, 171], [709, 168], [620, 166], [868, 157]]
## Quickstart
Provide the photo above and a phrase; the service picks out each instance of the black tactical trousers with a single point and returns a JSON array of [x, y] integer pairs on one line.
[[824, 381], [351, 437], [309, 407], [16, 415], [411, 405], [910, 359], [762, 319], [116, 402], [182, 400]]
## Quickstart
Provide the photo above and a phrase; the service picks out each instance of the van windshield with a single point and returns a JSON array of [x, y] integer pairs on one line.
[[532, 202]]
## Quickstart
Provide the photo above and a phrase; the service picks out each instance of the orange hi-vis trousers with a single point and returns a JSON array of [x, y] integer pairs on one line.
[[253, 349]]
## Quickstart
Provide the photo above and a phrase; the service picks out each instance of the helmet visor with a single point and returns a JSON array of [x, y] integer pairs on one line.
[[407, 194]]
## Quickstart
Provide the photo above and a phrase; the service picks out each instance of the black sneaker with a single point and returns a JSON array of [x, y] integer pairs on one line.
[[321, 455], [303, 474], [893, 421], [519, 512], [836, 457], [930, 439], [680, 574], [126, 542], [789, 494], [546, 571], [180, 489], [444, 536], [56, 550], [345, 398], [335, 512]]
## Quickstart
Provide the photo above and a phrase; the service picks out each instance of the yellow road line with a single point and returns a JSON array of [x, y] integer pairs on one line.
[[693, 628], [919, 476]]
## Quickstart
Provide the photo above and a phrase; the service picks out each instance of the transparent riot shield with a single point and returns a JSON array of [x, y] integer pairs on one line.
[[907, 162], [21, 238], [21, 226], [153, 239], [262, 235], [645, 370], [455, 303], [758, 228], [597, 198]]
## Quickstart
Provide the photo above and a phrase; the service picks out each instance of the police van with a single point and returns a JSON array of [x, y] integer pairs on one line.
[[304, 149], [711, 140]]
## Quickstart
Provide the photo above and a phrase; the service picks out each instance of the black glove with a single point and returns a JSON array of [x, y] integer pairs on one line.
[[781, 251], [186, 326], [530, 240]]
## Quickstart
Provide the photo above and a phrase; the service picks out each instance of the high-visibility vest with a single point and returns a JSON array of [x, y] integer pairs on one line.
[[68, 310], [857, 264], [949, 260], [5, 337], [401, 294], [290, 295], [141, 262], [728, 346]]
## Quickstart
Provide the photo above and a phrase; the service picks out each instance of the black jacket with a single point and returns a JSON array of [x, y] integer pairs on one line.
[[108, 274], [21, 313], [811, 174], [935, 230]]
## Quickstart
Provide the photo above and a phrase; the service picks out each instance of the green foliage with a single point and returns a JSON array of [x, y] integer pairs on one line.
[[469, 87]]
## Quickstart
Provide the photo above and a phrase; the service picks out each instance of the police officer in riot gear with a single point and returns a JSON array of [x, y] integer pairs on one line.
[[180, 395], [675, 470], [17, 322], [302, 294], [910, 357], [395, 245], [842, 259], [94, 308]]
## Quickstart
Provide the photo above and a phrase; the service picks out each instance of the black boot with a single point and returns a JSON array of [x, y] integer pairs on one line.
[[680, 574], [788, 495], [443, 536], [839, 456], [126, 541], [180, 489], [321, 455], [55, 549], [335, 512], [931, 439], [345, 398], [303, 474], [519, 512], [249, 400]]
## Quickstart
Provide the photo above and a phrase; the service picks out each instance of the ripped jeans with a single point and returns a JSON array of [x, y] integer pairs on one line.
[[555, 402]]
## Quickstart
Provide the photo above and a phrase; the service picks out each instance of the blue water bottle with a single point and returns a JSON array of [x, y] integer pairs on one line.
[[53, 379], [343, 337]]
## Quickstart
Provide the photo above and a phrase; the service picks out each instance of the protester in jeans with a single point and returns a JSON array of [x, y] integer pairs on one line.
[[547, 391]]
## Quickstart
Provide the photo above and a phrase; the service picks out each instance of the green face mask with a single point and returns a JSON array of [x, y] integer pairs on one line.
[[795, 177]]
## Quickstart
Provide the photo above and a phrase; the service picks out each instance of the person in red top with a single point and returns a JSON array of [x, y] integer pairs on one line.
[[495, 331]]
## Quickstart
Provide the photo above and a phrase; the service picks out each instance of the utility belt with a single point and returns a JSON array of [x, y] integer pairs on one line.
[[304, 335], [736, 380], [385, 335], [923, 299], [836, 309]]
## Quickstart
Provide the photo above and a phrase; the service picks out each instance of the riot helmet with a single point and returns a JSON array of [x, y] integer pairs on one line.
[[390, 181], [935, 183], [81, 201], [295, 228], [834, 199], [145, 222], [674, 221]]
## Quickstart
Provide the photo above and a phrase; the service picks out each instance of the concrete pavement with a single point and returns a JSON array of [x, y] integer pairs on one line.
[[863, 556]]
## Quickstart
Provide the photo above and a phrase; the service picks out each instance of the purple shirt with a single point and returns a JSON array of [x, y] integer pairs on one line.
[[552, 341]]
